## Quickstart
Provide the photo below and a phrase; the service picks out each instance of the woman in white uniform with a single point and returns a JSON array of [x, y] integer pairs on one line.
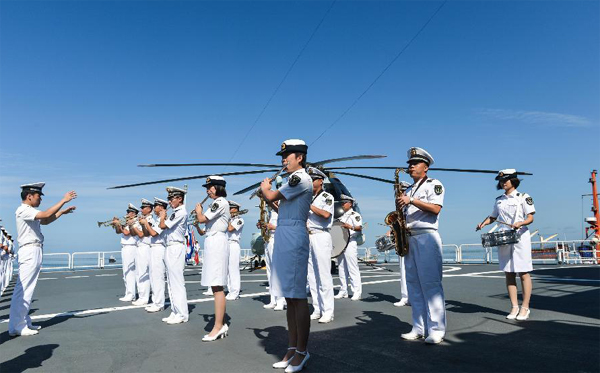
[[216, 251], [289, 269], [516, 210]]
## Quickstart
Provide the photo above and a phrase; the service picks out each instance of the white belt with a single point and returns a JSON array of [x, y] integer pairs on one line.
[[175, 243], [317, 230], [37, 243], [418, 231]]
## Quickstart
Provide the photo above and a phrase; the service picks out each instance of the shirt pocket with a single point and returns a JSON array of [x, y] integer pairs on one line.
[[510, 209]]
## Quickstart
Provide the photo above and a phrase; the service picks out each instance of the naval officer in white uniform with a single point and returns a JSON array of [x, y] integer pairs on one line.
[[516, 209], [128, 252], [142, 254], [234, 234], [31, 241], [422, 203], [216, 251], [174, 227], [157, 255], [348, 261], [320, 220], [290, 255]]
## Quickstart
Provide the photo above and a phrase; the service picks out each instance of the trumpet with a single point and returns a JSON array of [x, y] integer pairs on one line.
[[109, 223]]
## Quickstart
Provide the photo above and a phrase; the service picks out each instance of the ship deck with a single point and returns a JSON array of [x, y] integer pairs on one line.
[[87, 329]]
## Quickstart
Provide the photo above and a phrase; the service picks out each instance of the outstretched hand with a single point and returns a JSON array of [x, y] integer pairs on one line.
[[69, 209], [69, 196]]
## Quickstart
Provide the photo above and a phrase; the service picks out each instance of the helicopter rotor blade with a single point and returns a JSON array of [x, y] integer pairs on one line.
[[365, 177], [191, 178], [320, 163], [333, 169], [208, 164]]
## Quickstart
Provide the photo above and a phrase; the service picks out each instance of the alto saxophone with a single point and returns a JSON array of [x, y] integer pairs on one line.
[[397, 221]]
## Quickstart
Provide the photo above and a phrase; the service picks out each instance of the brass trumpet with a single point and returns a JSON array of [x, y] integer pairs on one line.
[[109, 223]]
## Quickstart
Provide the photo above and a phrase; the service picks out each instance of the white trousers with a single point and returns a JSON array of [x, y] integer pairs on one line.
[[424, 278], [30, 263], [142, 271], [175, 262], [268, 260], [128, 253], [233, 277], [3, 268], [403, 286], [319, 272], [348, 267], [157, 274]]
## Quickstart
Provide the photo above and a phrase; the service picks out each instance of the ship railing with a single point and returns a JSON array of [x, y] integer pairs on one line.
[[450, 254], [56, 261], [95, 259]]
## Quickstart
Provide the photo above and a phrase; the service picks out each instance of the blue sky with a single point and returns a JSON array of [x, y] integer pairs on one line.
[[88, 90]]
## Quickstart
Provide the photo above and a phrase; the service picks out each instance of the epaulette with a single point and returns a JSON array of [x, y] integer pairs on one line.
[[325, 195], [500, 196]]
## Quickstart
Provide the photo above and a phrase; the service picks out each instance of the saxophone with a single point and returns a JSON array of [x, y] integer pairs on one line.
[[264, 221], [397, 221]]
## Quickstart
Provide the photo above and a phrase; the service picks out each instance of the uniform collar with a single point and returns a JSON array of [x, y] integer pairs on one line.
[[512, 194], [178, 208]]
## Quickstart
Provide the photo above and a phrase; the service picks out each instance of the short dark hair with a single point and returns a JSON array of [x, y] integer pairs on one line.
[[513, 181], [25, 193], [303, 163], [220, 191]]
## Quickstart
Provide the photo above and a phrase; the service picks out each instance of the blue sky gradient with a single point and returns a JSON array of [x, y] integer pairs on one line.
[[90, 89]]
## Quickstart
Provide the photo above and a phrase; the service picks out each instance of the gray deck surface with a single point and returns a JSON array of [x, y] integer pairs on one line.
[[563, 333]]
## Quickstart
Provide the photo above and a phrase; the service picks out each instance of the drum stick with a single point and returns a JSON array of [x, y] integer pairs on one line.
[[495, 221]]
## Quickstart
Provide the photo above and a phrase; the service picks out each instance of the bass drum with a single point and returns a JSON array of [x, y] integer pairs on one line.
[[257, 244], [340, 237]]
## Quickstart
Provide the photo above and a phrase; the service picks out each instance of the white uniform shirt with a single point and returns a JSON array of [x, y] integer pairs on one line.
[[430, 191], [160, 239], [323, 201], [238, 226], [147, 240], [354, 219], [273, 219], [298, 196], [28, 228], [512, 208], [218, 217], [176, 225], [131, 239]]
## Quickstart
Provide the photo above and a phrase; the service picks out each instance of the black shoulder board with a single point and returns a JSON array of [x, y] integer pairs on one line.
[[214, 207], [172, 216], [430, 180], [294, 180], [499, 197], [325, 195]]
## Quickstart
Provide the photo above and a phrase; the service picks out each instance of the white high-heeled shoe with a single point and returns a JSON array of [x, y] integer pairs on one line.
[[296, 368], [284, 363], [221, 334], [522, 318], [512, 316]]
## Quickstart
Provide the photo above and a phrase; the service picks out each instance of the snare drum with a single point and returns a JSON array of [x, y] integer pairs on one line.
[[340, 237], [499, 238], [384, 243]]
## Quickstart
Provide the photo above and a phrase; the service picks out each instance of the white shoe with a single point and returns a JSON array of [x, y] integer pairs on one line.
[[511, 315], [341, 295], [523, 318], [296, 368], [284, 363], [326, 319], [232, 297], [403, 302], [208, 292], [412, 335], [315, 316], [24, 332], [153, 308], [126, 299], [356, 297], [434, 339], [140, 302], [177, 320], [221, 334], [269, 306], [167, 319], [34, 327], [279, 307]]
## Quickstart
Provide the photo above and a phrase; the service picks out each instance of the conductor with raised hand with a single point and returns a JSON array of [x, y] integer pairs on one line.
[[31, 242]]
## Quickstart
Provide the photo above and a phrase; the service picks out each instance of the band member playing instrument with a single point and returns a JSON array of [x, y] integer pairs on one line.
[[290, 255], [142, 256], [174, 228], [320, 220], [348, 261], [157, 255], [128, 253], [234, 233], [31, 241], [516, 210], [422, 203], [216, 251]]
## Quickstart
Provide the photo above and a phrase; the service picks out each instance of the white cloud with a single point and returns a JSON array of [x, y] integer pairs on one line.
[[537, 117]]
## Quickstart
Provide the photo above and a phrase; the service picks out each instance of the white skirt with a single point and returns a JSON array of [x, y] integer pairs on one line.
[[516, 257], [216, 260], [289, 268]]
